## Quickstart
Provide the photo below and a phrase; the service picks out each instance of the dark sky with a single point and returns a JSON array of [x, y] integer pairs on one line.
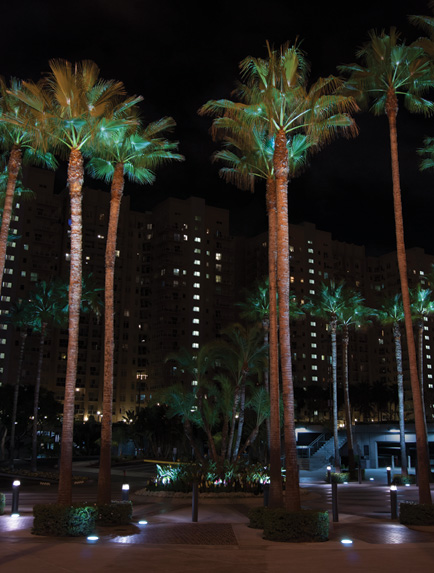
[[178, 57]]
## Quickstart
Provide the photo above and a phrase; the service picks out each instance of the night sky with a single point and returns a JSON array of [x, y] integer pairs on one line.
[[178, 57]]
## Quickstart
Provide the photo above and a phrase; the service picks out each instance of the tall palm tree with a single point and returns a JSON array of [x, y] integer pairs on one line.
[[328, 304], [24, 144], [75, 101], [20, 317], [391, 313], [46, 307], [391, 68], [275, 95], [135, 154]]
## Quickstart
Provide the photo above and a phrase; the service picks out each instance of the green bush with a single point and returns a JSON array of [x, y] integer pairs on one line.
[[2, 503], [115, 513], [337, 477], [296, 526], [416, 514], [256, 516], [60, 520], [399, 479]]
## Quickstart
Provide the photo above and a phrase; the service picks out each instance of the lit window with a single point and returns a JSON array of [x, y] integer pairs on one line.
[[313, 323], [176, 272], [313, 334], [195, 333], [313, 345], [218, 256], [196, 285], [196, 321], [197, 251], [196, 308], [311, 261], [195, 345], [194, 383], [218, 279], [311, 271], [314, 367], [196, 297], [197, 239], [197, 262], [314, 356], [196, 273]]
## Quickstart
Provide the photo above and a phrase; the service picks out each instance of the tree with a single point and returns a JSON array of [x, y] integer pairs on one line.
[[422, 306], [75, 101], [46, 307], [353, 312], [328, 304], [135, 154], [390, 69], [19, 315], [24, 143], [275, 95], [392, 313]]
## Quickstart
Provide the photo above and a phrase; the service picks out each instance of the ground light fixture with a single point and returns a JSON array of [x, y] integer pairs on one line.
[[15, 496], [346, 542], [92, 538], [143, 522]]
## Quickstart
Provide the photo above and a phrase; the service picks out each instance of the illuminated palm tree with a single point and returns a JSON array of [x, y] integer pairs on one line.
[[392, 314], [24, 144], [135, 154], [390, 69], [275, 95]]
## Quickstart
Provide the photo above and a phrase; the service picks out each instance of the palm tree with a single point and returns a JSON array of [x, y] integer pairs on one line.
[[328, 304], [392, 68], [23, 144], [75, 101], [353, 312], [275, 96], [135, 154], [392, 313], [46, 306], [21, 318], [422, 306], [244, 354]]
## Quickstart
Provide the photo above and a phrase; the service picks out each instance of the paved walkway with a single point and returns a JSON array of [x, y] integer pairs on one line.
[[221, 541]]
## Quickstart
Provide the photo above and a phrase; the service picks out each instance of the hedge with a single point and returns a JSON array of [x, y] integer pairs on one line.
[[296, 526], [416, 514]]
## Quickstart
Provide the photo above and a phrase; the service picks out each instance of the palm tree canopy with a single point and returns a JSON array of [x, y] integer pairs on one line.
[[392, 311], [139, 149], [390, 67], [422, 304]]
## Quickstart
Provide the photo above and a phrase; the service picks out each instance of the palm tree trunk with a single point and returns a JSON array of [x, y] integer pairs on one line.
[[421, 436], [36, 398], [104, 474], [266, 329], [240, 418], [75, 183], [280, 159], [337, 457], [14, 165], [237, 396], [15, 398], [348, 420], [276, 492], [400, 381]]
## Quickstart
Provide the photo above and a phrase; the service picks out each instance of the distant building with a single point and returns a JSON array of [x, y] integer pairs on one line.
[[178, 274]]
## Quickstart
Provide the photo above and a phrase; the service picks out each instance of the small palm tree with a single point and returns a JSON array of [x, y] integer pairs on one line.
[[391, 313], [20, 317], [46, 307], [389, 69], [329, 304]]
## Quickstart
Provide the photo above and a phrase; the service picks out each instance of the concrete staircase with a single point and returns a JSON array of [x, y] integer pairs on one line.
[[322, 456]]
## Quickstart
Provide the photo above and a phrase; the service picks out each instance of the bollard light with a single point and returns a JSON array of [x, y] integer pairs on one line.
[[389, 476], [393, 502], [125, 491], [329, 470], [15, 496]]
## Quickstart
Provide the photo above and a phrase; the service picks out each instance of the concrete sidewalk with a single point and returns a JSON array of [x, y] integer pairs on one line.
[[221, 541]]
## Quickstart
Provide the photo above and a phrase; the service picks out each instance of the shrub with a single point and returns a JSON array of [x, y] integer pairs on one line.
[[256, 516], [399, 479], [115, 513], [416, 514], [336, 477], [60, 520], [296, 526], [2, 503]]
